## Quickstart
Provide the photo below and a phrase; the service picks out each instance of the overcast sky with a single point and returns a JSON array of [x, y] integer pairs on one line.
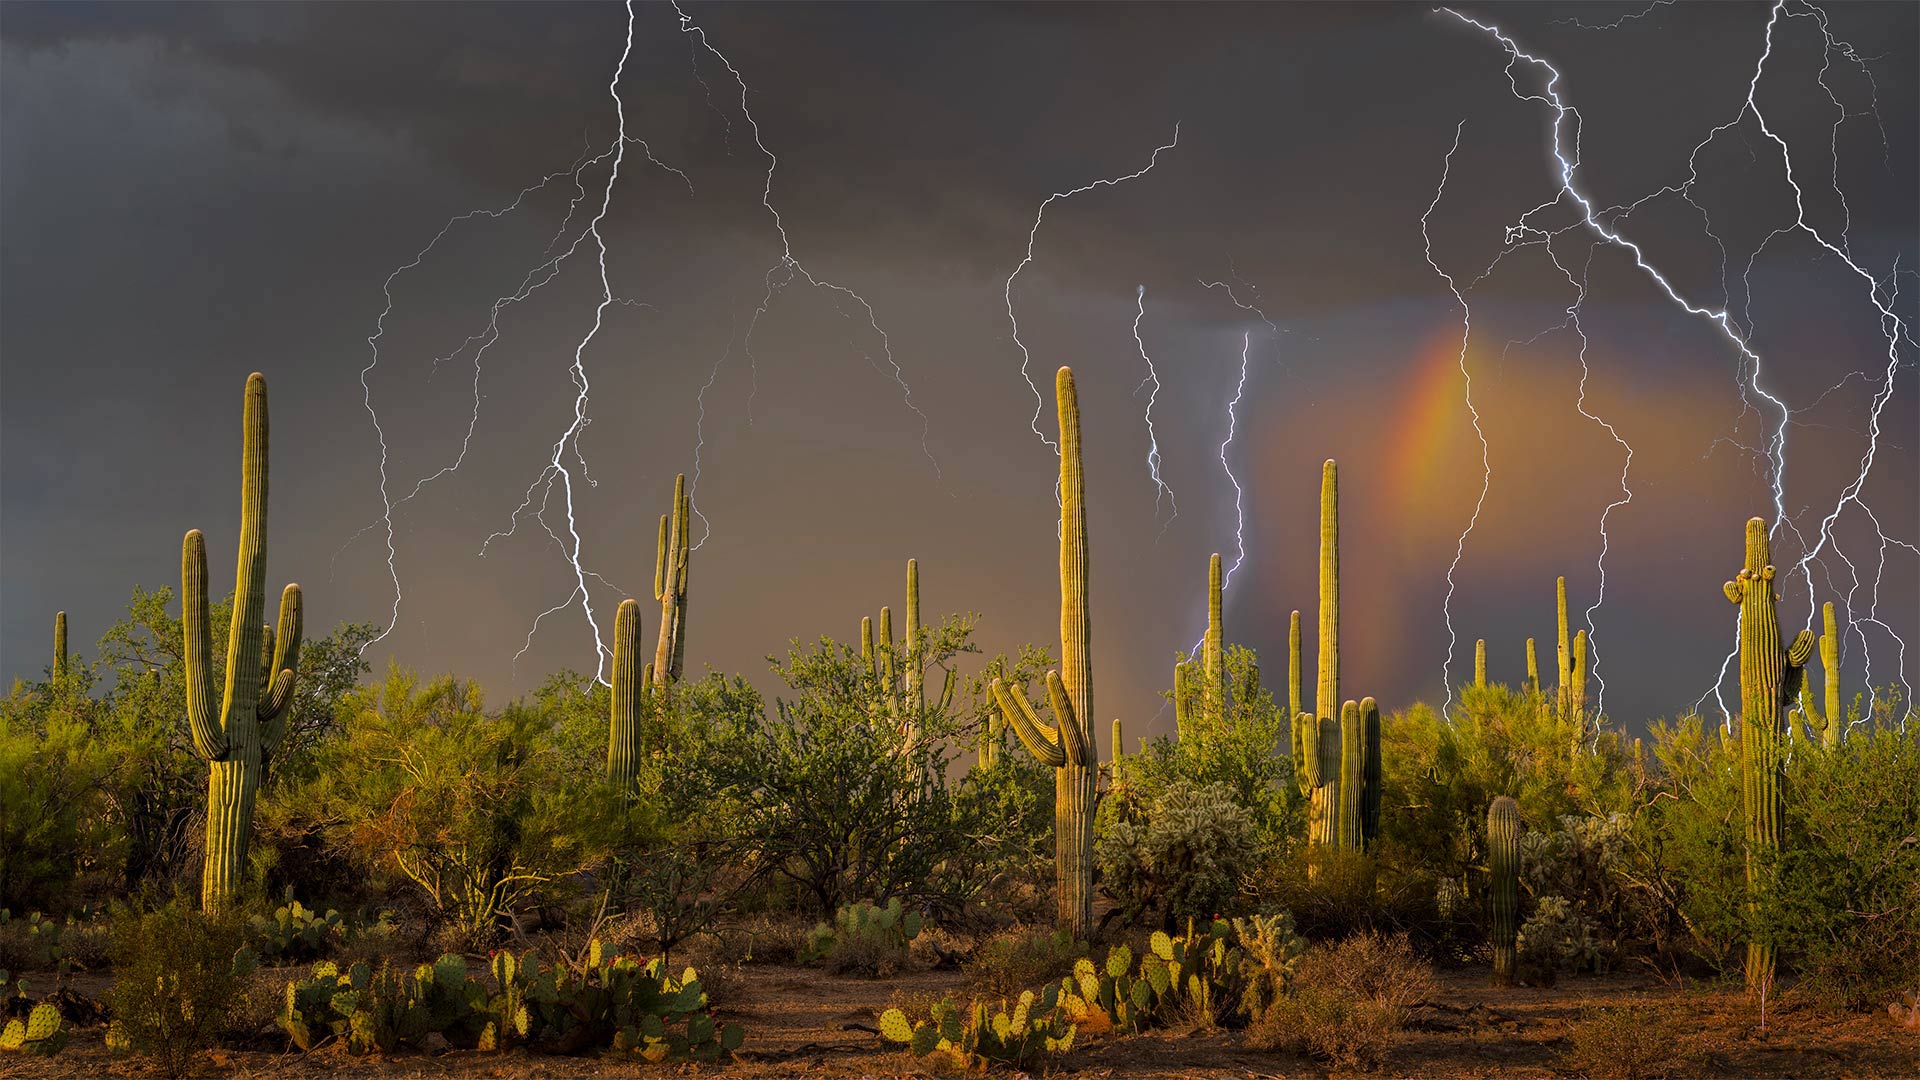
[[192, 192]]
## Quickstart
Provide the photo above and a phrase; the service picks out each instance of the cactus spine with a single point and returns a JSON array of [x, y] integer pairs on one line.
[[1480, 663], [1503, 857], [237, 741], [670, 588], [60, 645], [1214, 692], [623, 726], [1070, 746], [1769, 679]]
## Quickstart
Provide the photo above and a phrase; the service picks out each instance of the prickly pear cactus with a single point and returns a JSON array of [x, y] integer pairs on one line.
[[41, 1033]]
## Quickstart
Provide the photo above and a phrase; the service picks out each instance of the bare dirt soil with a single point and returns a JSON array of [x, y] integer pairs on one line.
[[802, 1022]]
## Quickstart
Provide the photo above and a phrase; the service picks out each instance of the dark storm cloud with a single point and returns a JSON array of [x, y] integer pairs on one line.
[[194, 191]]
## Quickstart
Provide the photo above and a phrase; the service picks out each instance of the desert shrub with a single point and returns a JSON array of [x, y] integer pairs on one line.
[[1020, 959], [864, 939], [1845, 892], [1178, 852], [1556, 938], [1686, 848], [1631, 1042], [1002, 867], [1333, 893], [1349, 1002], [178, 975], [52, 776]]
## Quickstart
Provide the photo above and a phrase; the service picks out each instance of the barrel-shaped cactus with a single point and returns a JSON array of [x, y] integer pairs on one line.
[[1503, 858], [670, 566], [239, 738], [623, 726], [1069, 745], [1770, 676]]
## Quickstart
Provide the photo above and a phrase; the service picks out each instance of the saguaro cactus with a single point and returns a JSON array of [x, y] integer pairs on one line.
[[1353, 762], [1480, 663], [1829, 722], [237, 741], [1533, 669], [1370, 773], [1182, 697], [1068, 747], [1565, 650], [1577, 676], [670, 587], [1323, 799], [1119, 741], [1503, 857], [623, 726], [916, 664], [1769, 679], [1214, 691], [60, 645]]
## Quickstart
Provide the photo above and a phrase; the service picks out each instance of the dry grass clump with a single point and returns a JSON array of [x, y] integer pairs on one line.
[[1348, 1003], [1021, 959], [1632, 1042]]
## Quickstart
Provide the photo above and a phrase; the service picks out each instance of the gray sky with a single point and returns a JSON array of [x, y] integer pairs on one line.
[[192, 192]]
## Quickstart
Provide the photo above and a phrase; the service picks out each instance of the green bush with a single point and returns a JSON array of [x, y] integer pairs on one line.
[[177, 975], [1349, 1002]]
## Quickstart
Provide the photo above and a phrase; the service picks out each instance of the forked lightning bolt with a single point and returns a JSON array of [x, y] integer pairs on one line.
[[782, 274], [1878, 294], [1040, 215], [1160, 488]]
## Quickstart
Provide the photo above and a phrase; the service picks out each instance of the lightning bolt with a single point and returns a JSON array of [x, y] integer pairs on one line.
[[1160, 488], [784, 273], [1226, 466], [1026, 358], [1892, 326], [1486, 466]]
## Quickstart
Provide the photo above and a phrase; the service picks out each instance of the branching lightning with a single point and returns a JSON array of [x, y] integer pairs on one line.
[[1160, 489], [1026, 358], [783, 273], [1486, 465]]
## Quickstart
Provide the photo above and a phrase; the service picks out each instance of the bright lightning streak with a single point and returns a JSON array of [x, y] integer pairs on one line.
[[1160, 488], [1226, 466], [1486, 465], [1892, 325], [784, 272], [1026, 358]]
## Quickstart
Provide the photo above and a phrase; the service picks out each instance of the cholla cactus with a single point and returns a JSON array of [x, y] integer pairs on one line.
[[237, 741], [1503, 856], [1769, 679], [1069, 747]]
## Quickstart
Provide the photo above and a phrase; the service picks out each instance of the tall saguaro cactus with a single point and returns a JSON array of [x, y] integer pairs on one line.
[[1069, 747], [1829, 722], [1503, 857], [1480, 663], [1565, 649], [915, 703], [1214, 691], [1323, 798], [1577, 677], [1533, 669], [670, 587], [623, 726], [60, 645], [1769, 679], [237, 741]]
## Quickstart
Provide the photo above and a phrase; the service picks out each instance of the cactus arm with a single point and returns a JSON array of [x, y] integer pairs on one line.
[[1830, 663], [1801, 650], [680, 583], [1072, 731], [1040, 739], [946, 689], [1076, 617], [1293, 664], [1347, 833], [1564, 651], [889, 675], [1182, 692], [286, 661], [209, 737], [646, 682], [660, 558], [1577, 675]]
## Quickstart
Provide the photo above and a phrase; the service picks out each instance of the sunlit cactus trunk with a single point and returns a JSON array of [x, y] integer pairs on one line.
[[1068, 747], [1183, 698], [623, 727], [1769, 679], [237, 741], [1829, 723], [1214, 691], [1353, 759], [59, 646], [1533, 669], [1323, 798], [1480, 663], [1565, 647], [1370, 773], [1503, 858], [1119, 741], [670, 567], [916, 700]]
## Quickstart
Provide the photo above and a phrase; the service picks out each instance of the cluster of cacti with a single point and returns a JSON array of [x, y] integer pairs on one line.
[[864, 926], [1503, 859], [670, 560], [293, 931], [609, 1001], [983, 1037], [877, 661], [1181, 976], [1337, 747], [1069, 746], [1770, 677], [42, 1032], [239, 739], [1572, 690], [1823, 724]]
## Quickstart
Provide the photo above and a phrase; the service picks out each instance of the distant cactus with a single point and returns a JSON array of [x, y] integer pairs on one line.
[[1353, 759], [670, 588], [1533, 669], [623, 727], [1370, 773], [1770, 678], [1119, 742], [1183, 698], [1070, 747], [1827, 723], [59, 646], [1503, 856], [238, 740], [1213, 689], [912, 711], [1565, 647], [1480, 663], [1297, 729], [1324, 796], [1577, 677]]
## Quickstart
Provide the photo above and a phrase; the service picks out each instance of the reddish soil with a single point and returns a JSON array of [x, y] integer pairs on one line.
[[800, 1021]]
